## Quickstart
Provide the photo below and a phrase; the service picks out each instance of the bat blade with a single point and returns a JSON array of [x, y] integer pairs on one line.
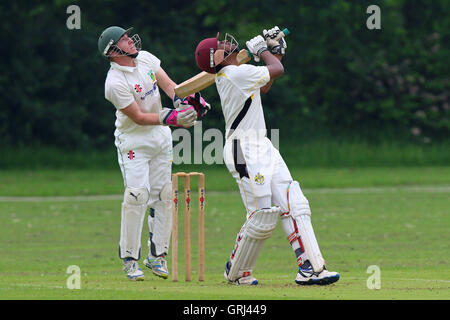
[[195, 84], [243, 56]]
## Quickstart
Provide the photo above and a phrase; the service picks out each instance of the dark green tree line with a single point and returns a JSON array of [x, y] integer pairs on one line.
[[341, 78]]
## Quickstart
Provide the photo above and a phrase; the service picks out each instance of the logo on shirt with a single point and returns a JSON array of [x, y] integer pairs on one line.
[[151, 75], [137, 88], [152, 91], [259, 179], [131, 154]]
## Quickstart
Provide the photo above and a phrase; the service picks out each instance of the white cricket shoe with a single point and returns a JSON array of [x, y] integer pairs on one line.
[[307, 276], [131, 267], [243, 281], [158, 266], [246, 281]]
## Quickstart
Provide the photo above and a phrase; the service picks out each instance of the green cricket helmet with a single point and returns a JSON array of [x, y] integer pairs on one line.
[[109, 38]]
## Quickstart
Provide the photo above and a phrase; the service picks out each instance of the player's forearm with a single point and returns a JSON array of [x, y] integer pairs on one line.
[[165, 83], [273, 64], [170, 89], [134, 113], [266, 88], [147, 119]]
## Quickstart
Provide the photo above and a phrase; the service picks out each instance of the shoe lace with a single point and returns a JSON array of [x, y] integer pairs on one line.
[[127, 264], [306, 269], [131, 266]]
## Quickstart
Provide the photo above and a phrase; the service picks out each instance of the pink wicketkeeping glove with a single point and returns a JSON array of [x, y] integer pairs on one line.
[[200, 105], [184, 116]]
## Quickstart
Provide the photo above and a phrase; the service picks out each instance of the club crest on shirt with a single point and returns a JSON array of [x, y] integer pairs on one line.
[[151, 75], [259, 179]]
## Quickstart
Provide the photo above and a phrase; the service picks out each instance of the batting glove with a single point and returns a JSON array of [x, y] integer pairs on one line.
[[199, 104], [257, 46], [178, 102], [276, 47], [183, 116]]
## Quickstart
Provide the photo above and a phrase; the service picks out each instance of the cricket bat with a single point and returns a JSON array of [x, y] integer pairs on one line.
[[205, 79]]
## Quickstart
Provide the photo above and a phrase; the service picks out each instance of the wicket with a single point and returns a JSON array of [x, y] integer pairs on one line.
[[187, 224]]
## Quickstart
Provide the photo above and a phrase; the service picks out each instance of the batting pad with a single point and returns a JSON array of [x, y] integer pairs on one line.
[[300, 211], [258, 227], [133, 213], [160, 223]]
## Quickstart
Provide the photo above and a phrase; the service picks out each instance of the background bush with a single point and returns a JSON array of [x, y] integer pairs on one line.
[[342, 81]]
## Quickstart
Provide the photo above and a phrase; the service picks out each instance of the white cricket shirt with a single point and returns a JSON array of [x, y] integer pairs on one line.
[[239, 91], [124, 85]]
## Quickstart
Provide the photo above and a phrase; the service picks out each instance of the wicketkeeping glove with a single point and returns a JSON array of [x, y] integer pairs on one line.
[[257, 46], [199, 104], [276, 47], [183, 116]]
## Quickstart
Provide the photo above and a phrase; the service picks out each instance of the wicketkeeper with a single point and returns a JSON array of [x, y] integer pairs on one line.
[[265, 183], [144, 145]]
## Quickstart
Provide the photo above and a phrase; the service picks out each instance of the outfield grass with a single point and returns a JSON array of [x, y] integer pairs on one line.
[[297, 152], [71, 182], [395, 218]]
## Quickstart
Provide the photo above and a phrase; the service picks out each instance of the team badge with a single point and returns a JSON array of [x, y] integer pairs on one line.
[[151, 75], [259, 179]]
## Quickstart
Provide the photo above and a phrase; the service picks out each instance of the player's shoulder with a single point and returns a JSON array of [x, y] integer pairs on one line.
[[147, 57], [144, 54], [232, 69], [114, 78], [114, 75], [241, 68], [243, 71]]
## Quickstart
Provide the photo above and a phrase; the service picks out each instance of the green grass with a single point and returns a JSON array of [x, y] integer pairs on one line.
[[61, 182], [336, 153], [395, 218], [301, 152]]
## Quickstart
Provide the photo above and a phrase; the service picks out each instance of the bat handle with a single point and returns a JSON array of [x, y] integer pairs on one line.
[[282, 34]]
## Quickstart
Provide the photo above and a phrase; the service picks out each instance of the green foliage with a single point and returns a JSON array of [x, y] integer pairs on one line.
[[342, 80]]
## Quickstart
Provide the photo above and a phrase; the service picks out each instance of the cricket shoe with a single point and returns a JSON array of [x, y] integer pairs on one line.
[[131, 267], [243, 281], [307, 276], [158, 266]]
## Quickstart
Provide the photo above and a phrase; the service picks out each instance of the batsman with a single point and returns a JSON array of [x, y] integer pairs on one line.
[[266, 186], [144, 145]]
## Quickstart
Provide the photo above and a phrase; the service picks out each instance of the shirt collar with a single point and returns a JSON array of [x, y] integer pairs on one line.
[[123, 68]]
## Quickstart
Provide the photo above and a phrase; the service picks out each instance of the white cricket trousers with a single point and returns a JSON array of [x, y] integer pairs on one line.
[[259, 170], [145, 159]]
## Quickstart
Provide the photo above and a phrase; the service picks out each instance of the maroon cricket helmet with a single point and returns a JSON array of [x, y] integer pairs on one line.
[[204, 54]]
